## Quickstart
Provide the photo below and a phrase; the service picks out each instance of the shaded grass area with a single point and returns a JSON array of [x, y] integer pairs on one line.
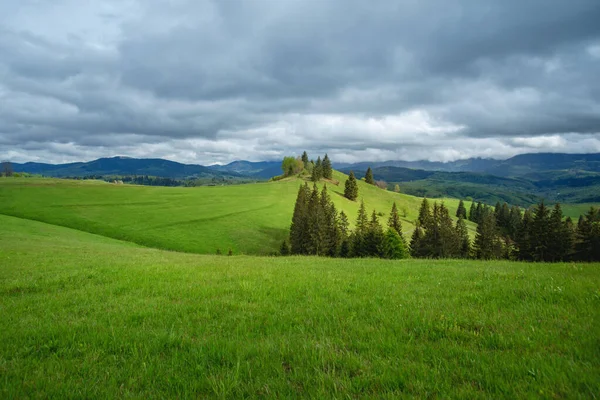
[[86, 316], [249, 219]]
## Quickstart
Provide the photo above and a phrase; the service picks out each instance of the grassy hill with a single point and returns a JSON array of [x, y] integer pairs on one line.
[[249, 219], [85, 316]]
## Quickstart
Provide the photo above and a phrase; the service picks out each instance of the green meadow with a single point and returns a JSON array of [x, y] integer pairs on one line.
[[85, 316], [249, 219], [103, 295]]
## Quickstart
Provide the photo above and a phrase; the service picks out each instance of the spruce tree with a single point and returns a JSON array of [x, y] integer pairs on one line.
[[351, 187], [374, 238], [449, 240], [558, 243], [327, 168], [472, 212], [369, 177], [344, 225], [305, 160], [424, 214], [487, 242], [416, 242], [478, 213], [540, 235], [299, 227], [523, 237], [359, 248], [319, 168], [394, 220], [588, 236], [394, 247], [514, 222], [316, 219], [461, 211], [463, 238]]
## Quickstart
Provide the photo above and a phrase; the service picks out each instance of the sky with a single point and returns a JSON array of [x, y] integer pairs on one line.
[[212, 81]]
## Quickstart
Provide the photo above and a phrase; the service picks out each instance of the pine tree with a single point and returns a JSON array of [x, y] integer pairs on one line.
[[472, 212], [327, 169], [305, 160], [299, 227], [461, 211], [478, 213], [319, 168], [424, 214], [523, 237], [463, 238], [588, 236], [487, 242], [344, 225], [514, 222], [449, 240], [397, 188], [315, 175], [540, 235], [351, 187], [361, 220], [374, 238], [369, 177], [558, 244], [394, 247], [394, 220], [569, 238], [416, 242], [316, 244]]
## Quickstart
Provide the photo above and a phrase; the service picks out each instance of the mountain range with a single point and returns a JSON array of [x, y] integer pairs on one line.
[[523, 179]]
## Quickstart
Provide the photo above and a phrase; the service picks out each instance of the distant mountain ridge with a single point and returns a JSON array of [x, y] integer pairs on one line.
[[123, 166], [519, 165]]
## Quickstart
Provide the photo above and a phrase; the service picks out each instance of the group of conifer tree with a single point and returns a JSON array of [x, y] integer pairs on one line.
[[538, 234], [318, 229]]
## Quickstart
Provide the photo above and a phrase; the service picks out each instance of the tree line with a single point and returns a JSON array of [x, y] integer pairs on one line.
[[318, 229], [503, 232], [538, 234]]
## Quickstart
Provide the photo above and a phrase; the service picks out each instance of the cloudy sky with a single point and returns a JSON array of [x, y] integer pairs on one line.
[[205, 81]]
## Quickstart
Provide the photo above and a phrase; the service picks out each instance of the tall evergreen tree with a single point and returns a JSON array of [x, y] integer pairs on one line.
[[369, 177], [359, 247], [344, 225], [374, 238], [319, 167], [523, 237], [424, 214], [588, 236], [514, 222], [540, 235], [327, 168], [305, 160], [417, 249], [351, 187], [316, 220], [394, 246], [463, 238], [449, 240], [472, 212], [478, 213], [299, 227], [487, 242], [558, 242], [394, 220], [461, 211]]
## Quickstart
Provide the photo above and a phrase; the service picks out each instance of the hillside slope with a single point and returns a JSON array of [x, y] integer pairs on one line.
[[249, 219], [89, 317]]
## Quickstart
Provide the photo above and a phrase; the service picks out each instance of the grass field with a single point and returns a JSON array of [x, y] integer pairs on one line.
[[249, 219], [84, 316]]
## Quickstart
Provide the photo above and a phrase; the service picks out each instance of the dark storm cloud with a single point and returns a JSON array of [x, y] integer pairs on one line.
[[204, 81]]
